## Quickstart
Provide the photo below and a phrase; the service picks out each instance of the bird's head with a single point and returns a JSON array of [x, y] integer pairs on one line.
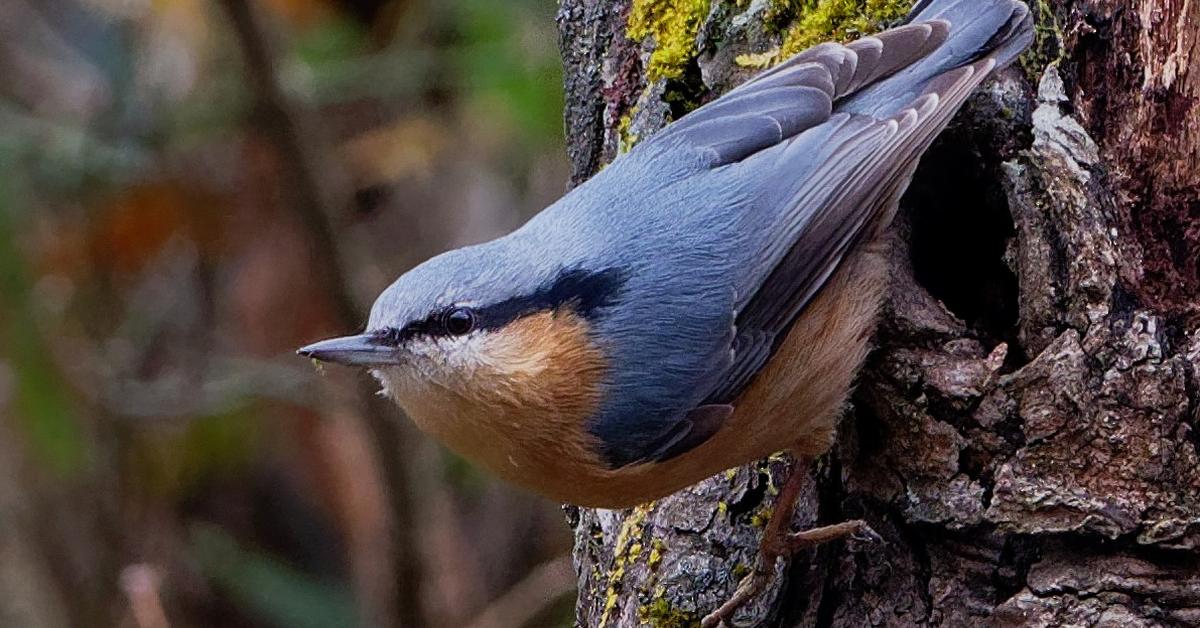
[[472, 332]]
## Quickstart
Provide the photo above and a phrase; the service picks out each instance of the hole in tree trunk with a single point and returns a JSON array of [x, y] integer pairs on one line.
[[960, 230]]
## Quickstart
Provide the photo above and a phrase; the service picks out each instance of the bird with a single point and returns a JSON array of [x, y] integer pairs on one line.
[[705, 300]]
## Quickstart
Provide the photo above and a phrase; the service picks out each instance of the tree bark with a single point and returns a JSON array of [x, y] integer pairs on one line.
[[1024, 434]]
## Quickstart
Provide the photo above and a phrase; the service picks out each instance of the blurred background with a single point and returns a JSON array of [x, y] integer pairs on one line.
[[191, 189]]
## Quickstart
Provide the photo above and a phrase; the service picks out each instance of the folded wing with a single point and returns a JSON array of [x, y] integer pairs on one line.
[[838, 131]]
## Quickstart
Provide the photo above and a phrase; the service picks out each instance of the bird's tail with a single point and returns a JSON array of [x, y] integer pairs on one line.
[[979, 29]]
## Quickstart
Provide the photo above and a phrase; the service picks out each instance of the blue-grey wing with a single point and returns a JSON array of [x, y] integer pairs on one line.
[[747, 127], [824, 166], [798, 94], [855, 168]]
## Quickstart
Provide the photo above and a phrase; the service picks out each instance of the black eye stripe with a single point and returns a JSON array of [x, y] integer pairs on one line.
[[396, 336], [436, 325], [585, 292]]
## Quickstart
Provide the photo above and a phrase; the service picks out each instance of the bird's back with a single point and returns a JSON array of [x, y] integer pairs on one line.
[[729, 222]]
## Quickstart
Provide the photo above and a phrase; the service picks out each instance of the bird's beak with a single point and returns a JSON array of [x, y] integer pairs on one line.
[[361, 350]]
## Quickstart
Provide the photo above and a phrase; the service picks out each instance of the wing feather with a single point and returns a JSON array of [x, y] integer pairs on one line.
[[871, 167], [798, 94]]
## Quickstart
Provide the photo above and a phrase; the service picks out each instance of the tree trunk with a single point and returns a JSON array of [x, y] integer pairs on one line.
[[1023, 436]]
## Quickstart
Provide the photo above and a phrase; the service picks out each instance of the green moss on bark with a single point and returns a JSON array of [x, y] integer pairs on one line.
[[674, 26], [838, 20], [1047, 48]]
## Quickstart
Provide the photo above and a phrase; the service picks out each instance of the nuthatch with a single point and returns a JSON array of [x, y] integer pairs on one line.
[[705, 300]]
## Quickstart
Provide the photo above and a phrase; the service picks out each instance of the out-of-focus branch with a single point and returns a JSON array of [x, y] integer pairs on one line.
[[521, 604], [309, 196], [30, 593], [142, 584]]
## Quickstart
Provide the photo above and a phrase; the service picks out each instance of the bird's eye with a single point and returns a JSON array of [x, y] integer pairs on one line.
[[459, 321]]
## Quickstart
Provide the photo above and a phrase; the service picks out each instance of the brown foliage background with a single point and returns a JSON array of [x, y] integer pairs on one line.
[[190, 190]]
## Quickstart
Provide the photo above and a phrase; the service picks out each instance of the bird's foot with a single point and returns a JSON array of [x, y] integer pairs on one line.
[[855, 530], [785, 545]]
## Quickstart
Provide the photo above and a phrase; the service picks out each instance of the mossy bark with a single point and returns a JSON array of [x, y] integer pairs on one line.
[[1024, 435]]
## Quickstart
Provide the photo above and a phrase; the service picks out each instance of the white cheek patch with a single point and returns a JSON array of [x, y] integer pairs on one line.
[[402, 382], [448, 355], [467, 353]]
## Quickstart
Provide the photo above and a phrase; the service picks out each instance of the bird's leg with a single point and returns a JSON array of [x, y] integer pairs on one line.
[[769, 552], [778, 541]]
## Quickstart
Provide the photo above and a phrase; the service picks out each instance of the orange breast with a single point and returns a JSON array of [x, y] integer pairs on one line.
[[521, 410]]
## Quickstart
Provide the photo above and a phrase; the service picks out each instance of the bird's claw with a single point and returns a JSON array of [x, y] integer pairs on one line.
[[862, 535], [856, 532]]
